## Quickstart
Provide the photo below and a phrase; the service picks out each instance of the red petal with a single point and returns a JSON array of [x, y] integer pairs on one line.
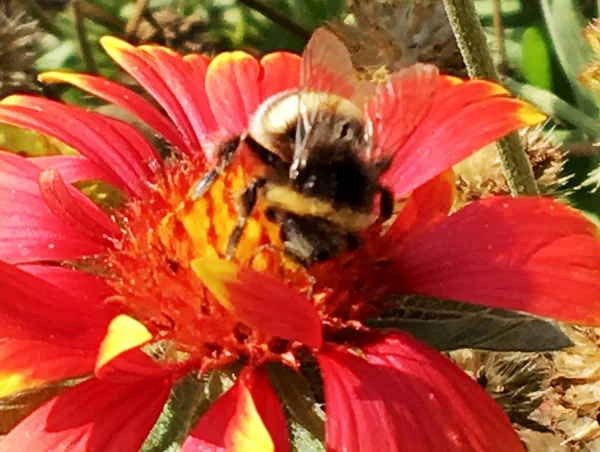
[[35, 309], [30, 231], [116, 147], [247, 417], [427, 205], [136, 365], [30, 364], [281, 73], [89, 290], [527, 254], [72, 168], [399, 106], [123, 97], [92, 416], [462, 118], [404, 395], [232, 86], [171, 81], [76, 209], [256, 299], [187, 84]]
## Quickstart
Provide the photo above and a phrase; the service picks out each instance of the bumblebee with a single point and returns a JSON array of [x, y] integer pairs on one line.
[[318, 185]]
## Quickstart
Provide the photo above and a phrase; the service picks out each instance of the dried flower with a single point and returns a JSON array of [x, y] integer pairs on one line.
[[19, 41], [396, 34]]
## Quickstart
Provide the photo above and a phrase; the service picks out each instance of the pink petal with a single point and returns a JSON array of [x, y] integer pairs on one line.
[[281, 72], [116, 147], [73, 168], [247, 417], [400, 394], [95, 415], [232, 86], [527, 254], [118, 94], [30, 230], [76, 209], [187, 83], [176, 86]]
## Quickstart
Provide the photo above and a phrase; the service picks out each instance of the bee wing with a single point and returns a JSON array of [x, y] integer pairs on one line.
[[397, 107], [327, 66]]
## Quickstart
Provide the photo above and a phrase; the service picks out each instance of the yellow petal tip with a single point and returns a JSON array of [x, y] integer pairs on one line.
[[215, 274], [531, 115], [56, 76], [124, 333], [12, 383]]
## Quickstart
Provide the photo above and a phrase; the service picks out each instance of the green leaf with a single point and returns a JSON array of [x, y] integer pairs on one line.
[[296, 395], [536, 63], [188, 401], [303, 440], [564, 22], [450, 325]]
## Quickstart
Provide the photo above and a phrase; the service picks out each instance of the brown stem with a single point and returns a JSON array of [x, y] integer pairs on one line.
[[101, 15], [278, 17], [82, 38], [499, 30]]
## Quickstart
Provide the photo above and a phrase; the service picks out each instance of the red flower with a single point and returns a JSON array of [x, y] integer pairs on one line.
[[86, 292]]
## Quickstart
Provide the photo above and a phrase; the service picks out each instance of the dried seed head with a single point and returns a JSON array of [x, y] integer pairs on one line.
[[590, 76], [571, 403], [515, 380], [19, 41], [481, 175], [194, 33], [396, 34]]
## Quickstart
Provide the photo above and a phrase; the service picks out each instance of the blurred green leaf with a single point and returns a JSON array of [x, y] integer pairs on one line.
[[536, 64], [554, 106], [564, 21]]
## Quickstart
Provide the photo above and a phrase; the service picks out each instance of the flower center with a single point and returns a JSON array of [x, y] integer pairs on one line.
[[151, 269]]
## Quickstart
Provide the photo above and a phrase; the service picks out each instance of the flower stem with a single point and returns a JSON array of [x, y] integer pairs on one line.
[[476, 54], [82, 38]]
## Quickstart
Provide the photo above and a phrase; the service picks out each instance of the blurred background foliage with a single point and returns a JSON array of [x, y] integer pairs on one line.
[[539, 47]]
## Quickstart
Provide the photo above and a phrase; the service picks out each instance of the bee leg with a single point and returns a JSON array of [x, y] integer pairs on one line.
[[386, 204], [226, 153], [248, 201]]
